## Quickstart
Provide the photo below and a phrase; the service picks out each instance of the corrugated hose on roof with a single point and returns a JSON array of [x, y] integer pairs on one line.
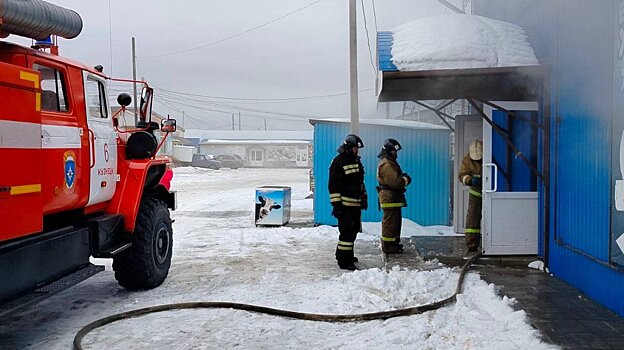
[[38, 19]]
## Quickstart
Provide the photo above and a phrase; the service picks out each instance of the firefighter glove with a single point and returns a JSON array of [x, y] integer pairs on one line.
[[408, 178], [475, 181]]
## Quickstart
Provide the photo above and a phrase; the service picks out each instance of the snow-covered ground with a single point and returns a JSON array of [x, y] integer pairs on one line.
[[457, 41], [219, 255]]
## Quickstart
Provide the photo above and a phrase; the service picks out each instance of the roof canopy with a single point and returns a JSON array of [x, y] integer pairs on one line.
[[457, 56], [499, 83]]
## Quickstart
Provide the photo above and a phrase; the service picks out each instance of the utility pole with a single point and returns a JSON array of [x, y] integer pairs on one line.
[[355, 117], [265, 127], [232, 121], [183, 118], [239, 120], [136, 109]]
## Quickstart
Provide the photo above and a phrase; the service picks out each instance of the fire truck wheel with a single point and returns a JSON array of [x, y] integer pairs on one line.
[[146, 264]]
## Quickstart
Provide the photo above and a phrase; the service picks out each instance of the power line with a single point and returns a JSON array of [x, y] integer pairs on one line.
[[172, 105], [235, 35], [199, 120], [370, 51], [202, 108], [301, 98], [293, 117]]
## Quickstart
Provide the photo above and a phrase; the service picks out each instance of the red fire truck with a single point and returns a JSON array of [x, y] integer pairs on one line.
[[73, 185]]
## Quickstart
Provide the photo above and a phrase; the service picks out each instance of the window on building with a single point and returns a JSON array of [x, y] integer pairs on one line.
[[53, 89], [256, 155], [96, 99]]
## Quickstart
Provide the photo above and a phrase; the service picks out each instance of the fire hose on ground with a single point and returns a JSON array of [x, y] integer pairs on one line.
[[383, 315]]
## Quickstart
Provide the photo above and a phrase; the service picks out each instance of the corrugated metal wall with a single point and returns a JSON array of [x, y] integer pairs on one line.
[[425, 156], [579, 40], [583, 148]]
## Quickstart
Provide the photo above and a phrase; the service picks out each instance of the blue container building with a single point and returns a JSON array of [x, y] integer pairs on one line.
[[425, 156]]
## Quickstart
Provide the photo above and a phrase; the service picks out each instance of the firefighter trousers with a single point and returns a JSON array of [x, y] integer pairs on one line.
[[391, 228], [349, 222], [473, 221]]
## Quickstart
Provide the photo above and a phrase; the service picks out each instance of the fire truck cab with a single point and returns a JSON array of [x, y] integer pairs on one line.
[[72, 184]]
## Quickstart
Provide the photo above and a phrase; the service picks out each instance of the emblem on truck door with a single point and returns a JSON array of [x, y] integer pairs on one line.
[[69, 159]]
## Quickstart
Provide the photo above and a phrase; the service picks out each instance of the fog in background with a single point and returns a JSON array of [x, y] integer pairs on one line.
[[195, 51]]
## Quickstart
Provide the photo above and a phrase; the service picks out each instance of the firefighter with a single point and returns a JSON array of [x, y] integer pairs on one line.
[[392, 185], [348, 197], [470, 175]]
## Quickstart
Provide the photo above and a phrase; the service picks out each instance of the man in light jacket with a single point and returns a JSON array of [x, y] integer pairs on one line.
[[392, 185]]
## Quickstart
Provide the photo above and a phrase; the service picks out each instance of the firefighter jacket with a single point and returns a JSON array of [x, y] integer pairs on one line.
[[346, 181], [392, 184], [467, 170]]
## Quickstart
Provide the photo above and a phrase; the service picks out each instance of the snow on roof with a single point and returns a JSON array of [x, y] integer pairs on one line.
[[408, 124], [459, 41], [255, 142], [248, 134]]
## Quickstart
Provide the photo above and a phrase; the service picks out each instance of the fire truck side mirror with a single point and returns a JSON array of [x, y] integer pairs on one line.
[[146, 103], [168, 125]]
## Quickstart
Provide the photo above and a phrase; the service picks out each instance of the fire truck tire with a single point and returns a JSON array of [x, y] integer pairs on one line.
[[146, 264]]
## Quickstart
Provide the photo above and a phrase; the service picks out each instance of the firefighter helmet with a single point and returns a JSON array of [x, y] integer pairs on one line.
[[476, 150], [391, 144], [352, 141]]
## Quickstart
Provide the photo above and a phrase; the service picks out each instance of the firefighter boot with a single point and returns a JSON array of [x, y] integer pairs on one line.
[[472, 241], [392, 248], [354, 259], [347, 266], [346, 259]]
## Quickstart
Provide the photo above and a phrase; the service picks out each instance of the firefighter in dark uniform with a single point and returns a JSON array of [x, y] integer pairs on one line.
[[348, 197], [470, 175], [392, 184]]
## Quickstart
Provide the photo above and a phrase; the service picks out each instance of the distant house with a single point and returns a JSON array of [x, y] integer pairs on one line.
[[258, 148]]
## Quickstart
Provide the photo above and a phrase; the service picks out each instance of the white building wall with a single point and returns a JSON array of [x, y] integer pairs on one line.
[[278, 156]]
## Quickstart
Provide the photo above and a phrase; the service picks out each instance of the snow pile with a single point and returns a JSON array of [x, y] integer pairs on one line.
[[460, 41], [538, 265]]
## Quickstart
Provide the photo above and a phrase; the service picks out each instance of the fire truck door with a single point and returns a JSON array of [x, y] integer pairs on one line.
[[21, 204], [102, 140]]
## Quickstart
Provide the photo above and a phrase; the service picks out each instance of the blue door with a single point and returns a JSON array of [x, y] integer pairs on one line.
[[510, 200]]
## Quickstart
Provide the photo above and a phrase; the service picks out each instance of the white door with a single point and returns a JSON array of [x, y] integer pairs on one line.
[[510, 201], [467, 129], [256, 158], [102, 141]]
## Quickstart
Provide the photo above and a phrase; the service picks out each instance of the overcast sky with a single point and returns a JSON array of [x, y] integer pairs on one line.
[[303, 54]]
